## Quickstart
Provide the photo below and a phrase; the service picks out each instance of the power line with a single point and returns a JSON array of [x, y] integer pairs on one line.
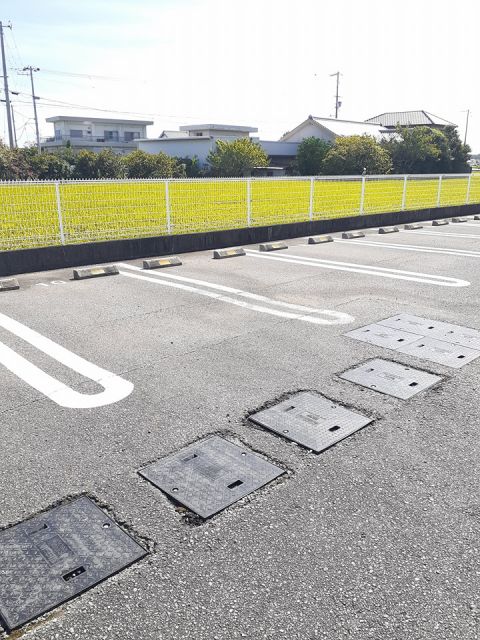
[[83, 75]]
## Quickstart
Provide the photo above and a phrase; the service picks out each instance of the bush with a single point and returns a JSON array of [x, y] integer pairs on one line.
[[355, 155], [236, 158], [140, 164], [310, 155]]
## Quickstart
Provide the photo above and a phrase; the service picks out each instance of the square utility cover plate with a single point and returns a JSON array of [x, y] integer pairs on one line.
[[210, 475], [391, 378], [311, 420], [57, 555], [432, 340]]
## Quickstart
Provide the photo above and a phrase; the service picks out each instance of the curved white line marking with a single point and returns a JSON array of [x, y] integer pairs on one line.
[[414, 247], [116, 388], [382, 272], [334, 317]]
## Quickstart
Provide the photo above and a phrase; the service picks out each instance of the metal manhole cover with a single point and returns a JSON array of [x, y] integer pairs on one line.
[[383, 336], [391, 378], [310, 420], [408, 329], [461, 335], [446, 353], [210, 475], [414, 324], [57, 555]]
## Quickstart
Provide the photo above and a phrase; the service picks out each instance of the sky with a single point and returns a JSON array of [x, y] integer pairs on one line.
[[261, 63]]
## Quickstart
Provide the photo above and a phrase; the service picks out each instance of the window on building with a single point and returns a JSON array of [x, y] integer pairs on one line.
[[76, 133], [198, 134], [131, 135], [111, 135], [58, 134]]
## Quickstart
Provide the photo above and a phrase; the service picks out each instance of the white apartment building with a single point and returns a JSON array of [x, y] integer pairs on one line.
[[197, 140], [96, 134]]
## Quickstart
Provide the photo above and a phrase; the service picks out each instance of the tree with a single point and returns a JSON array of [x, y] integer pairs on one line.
[[355, 155], [236, 158], [459, 152], [15, 164], [85, 165], [109, 165], [418, 150], [50, 166], [140, 164], [192, 166], [310, 155]]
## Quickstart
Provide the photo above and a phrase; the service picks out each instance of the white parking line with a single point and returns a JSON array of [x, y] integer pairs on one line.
[[414, 247], [309, 314], [382, 272], [444, 233], [469, 224], [116, 388]]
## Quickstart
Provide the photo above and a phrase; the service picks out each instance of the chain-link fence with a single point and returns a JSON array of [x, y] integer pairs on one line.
[[37, 214]]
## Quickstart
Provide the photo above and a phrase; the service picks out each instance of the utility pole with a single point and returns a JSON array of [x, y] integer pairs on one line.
[[34, 98], [5, 86], [466, 127], [14, 127], [338, 104], [13, 123]]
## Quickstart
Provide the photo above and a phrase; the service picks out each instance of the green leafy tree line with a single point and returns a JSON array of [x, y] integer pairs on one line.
[[236, 158], [27, 164], [417, 150]]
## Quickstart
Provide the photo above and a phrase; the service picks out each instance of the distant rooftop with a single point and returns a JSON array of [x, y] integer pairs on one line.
[[339, 127], [86, 120], [409, 118], [167, 133], [348, 127], [218, 127]]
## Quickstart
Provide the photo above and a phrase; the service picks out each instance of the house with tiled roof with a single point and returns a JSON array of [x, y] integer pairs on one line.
[[392, 119], [329, 129]]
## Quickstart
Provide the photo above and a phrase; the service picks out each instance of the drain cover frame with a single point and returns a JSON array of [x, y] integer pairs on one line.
[[210, 475], [49, 559], [445, 353], [311, 420], [445, 331], [378, 374], [383, 336]]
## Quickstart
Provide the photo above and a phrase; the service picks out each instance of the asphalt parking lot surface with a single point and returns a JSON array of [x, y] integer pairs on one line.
[[376, 537]]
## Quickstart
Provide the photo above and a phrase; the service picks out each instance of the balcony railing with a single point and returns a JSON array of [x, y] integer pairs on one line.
[[87, 138]]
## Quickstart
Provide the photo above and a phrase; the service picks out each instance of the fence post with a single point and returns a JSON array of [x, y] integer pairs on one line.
[[249, 202], [404, 194], [59, 212], [467, 199], [312, 188], [167, 207], [362, 196], [439, 192]]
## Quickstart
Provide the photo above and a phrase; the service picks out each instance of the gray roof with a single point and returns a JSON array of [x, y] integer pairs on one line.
[[87, 119], [218, 127], [339, 127], [167, 133], [409, 118]]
